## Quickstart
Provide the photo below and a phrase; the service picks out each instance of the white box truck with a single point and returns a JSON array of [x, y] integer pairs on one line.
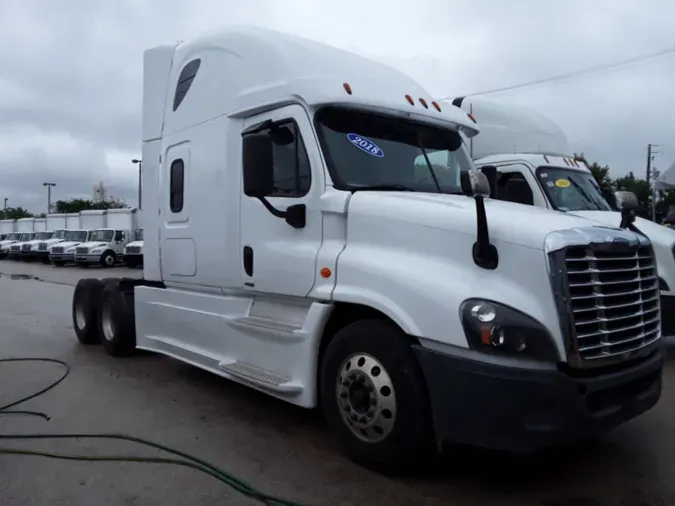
[[106, 245], [26, 226], [535, 166], [299, 241], [73, 221], [64, 252], [57, 224], [133, 252]]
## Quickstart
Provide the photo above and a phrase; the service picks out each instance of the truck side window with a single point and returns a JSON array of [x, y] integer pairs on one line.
[[513, 187], [292, 174], [185, 79], [176, 186], [119, 235]]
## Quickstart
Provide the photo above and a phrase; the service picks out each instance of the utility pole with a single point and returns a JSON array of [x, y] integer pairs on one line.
[[4, 210], [49, 195], [140, 180], [652, 175]]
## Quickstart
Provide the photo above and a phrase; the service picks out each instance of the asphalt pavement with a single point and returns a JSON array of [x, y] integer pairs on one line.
[[278, 448]]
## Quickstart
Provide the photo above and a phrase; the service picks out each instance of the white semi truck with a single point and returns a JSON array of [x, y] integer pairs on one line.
[[535, 166], [106, 245], [414, 310]]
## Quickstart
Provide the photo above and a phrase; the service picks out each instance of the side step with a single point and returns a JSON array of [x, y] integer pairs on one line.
[[270, 328], [261, 378]]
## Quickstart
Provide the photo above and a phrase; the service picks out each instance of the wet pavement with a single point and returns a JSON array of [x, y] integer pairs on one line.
[[276, 447]]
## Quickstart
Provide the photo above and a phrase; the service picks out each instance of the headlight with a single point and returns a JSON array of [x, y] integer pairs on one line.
[[491, 327], [97, 250]]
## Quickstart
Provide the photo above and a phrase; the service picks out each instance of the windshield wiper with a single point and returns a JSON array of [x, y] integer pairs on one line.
[[583, 193], [426, 158], [383, 187]]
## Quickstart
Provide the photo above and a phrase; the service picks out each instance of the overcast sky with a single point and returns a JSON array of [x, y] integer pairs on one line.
[[70, 72]]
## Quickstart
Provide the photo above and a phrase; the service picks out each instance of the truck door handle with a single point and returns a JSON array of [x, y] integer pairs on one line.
[[248, 261]]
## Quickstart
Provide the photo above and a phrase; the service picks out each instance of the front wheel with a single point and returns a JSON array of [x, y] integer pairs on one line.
[[108, 259], [374, 397]]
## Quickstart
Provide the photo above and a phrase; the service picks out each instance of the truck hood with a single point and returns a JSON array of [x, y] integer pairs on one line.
[[67, 244], [6, 243], [656, 233], [507, 222], [92, 245], [52, 241], [135, 244]]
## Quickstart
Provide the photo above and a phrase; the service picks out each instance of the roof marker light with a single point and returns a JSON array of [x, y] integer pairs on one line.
[[410, 100], [472, 117], [436, 106], [347, 88], [424, 103]]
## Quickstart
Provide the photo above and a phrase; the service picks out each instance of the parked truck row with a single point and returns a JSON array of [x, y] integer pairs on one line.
[[103, 237], [361, 263]]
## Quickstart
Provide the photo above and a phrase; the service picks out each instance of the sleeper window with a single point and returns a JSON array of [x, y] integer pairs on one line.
[[176, 186]]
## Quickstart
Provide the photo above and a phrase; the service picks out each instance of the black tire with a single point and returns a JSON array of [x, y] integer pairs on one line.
[[86, 301], [132, 264], [44, 261], [410, 438], [116, 321], [108, 259], [58, 263]]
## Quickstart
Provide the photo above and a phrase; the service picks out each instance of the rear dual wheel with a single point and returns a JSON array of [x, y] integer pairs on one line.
[[103, 313]]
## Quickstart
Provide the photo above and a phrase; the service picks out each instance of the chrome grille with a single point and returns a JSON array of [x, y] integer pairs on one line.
[[133, 250], [81, 251], [57, 250], [42, 246], [614, 299], [25, 247]]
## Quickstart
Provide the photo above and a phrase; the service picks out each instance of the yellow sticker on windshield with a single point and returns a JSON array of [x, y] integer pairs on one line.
[[562, 183]]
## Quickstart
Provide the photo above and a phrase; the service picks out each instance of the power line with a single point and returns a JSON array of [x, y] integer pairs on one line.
[[617, 65]]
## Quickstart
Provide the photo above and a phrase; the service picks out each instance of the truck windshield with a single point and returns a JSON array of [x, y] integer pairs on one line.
[[101, 236], [27, 236], [370, 151], [59, 234], [13, 236], [43, 236], [76, 235], [571, 190]]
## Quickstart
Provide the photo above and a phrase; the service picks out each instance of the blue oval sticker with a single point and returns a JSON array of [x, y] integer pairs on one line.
[[365, 145]]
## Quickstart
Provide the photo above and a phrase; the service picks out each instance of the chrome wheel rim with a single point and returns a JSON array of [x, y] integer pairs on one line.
[[80, 317], [109, 260], [366, 397]]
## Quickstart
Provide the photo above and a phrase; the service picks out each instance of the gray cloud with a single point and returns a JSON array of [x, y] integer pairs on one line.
[[70, 72]]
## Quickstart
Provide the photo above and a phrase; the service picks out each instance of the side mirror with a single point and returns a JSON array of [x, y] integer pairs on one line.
[[258, 162], [480, 186], [625, 201], [490, 172]]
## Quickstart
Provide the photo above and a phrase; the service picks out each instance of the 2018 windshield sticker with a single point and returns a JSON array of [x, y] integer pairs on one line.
[[562, 183], [365, 145]]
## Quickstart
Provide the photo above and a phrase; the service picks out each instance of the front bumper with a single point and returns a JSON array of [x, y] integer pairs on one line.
[[42, 255], [668, 315], [133, 258], [525, 410], [88, 258], [15, 254], [62, 257], [29, 255]]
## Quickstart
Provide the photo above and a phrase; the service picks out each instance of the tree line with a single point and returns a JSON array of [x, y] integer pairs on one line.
[[63, 206], [630, 182]]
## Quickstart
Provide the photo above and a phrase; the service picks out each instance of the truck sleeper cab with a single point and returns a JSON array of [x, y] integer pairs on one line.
[[303, 244], [535, 168], [64, 252], [104, 247]]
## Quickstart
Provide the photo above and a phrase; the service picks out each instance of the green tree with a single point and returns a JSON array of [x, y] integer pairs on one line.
[[600, 173], [77, 205], [640, 188], [16, 213]]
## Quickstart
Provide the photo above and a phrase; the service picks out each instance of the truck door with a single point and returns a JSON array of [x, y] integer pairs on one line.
[[277, 258], [516, 183]]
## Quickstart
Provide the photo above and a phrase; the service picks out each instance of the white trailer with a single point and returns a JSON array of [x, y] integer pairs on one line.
[[40, 225], [298, 241], [73, 221], [106, 245], [535, 166], [93, 219], [58, 221], [7, 226], [25, 225]]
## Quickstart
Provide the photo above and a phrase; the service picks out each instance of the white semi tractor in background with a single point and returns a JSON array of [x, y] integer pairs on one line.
[[133, 252], [345, 272], [535, 166]]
